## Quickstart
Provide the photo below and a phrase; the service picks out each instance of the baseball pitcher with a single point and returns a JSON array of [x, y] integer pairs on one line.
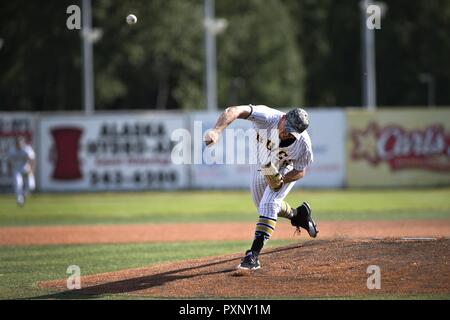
[[22, 164], [283, 152]]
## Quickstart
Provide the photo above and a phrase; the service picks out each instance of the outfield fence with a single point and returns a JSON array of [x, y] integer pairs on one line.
[[134, 151]]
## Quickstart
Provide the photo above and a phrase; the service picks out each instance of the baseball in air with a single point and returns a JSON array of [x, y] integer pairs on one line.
[[131, 19]]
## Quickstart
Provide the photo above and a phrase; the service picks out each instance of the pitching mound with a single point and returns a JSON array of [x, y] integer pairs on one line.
[[310, 269]]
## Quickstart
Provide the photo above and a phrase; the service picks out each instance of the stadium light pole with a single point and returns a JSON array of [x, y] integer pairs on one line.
[[213, 27], [88, 69], [369, 86], [210, 53], [428, 79]]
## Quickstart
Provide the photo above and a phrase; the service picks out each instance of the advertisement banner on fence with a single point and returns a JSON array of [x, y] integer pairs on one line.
[[109, 153], [222, 174], [327, 133], [398, 148], [13, 125]]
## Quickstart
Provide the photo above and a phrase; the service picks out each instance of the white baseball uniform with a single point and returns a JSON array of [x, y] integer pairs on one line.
[[23, 178], [297, 156]]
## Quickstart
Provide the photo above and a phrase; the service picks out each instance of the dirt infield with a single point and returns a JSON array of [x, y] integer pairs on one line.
[[319, 268], [140, 233]]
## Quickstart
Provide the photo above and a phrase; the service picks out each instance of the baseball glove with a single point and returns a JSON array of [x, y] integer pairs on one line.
[[273, 178]]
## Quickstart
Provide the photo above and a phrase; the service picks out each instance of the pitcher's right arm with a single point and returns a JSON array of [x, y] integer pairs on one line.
[[225, 119]]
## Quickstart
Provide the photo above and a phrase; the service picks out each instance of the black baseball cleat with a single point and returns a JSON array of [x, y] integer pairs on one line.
[[250, 261], [303, 219]]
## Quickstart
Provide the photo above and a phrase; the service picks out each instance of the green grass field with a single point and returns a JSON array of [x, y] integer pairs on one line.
[[158, 207], [21, 267]]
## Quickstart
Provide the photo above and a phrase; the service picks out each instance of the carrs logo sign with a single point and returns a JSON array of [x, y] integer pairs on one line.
[[398, 148], [427, 148]]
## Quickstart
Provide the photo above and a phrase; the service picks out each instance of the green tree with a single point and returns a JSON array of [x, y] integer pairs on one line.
[[258, 58], [156, 63], [39, 59], [276, 52], [327, 32], [414, 39]]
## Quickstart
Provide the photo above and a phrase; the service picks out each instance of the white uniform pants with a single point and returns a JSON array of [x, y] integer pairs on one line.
[[23, 182], [267, 201]]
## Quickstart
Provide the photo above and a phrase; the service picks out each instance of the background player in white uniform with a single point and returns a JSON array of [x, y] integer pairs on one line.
[[281, 139], [22, 163]]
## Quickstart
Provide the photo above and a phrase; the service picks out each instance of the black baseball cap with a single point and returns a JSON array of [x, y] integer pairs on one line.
[[297, 121]]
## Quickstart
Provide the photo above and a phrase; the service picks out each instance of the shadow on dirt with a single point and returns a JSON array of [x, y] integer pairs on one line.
[[133, 284], [150, 281], [318, 268]]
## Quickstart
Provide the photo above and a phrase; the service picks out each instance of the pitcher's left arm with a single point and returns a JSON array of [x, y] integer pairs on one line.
[[294, 175]]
